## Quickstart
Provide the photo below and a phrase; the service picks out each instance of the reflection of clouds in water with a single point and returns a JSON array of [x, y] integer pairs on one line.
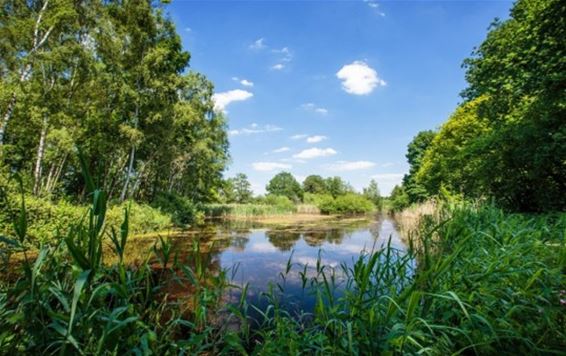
[[262, 247], [311, 261]]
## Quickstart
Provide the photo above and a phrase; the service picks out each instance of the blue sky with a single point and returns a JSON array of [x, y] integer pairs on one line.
[[331, 88]]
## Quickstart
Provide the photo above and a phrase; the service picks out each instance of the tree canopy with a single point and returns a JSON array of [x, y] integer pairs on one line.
[[111, 77]]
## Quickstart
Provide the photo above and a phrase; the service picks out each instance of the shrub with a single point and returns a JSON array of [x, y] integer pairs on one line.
[[280, 201], [182, 210], [349, 203]]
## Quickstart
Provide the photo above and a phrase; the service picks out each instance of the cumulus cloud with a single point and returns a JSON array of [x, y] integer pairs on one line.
[[223, 99], [358, 78], [342, 166], [315, 152], [270, 166], [316, 138], [314, 108], [254, 129], [278, 66], [258, 44]]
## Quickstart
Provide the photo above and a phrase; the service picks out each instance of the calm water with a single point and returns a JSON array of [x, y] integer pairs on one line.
[[259, 256]]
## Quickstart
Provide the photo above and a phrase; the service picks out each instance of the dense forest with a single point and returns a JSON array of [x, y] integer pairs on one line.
[[507, 140], [112, 78]]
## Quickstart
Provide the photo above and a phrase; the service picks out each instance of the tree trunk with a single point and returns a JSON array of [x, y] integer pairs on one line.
[[40, 154], [130, 170]]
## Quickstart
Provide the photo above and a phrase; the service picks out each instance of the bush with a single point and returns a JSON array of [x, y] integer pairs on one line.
[[183, 211], [45, 218], [349, 203], [280, 201]]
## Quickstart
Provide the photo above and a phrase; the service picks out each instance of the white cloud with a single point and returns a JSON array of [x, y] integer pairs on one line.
[[244, 82], [314, 108], [254, 129], [342, 166], [316, 138], [298, 136], [286, 55], [258, 44], [375, 6], [278, 66], [270, 166], [387, 164], [188, 29], [315, 152], [221, 100], [358, 78], [281, 150]]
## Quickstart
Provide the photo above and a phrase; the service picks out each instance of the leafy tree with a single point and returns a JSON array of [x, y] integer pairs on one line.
[[372, 193], [520, 69], [314, 184], [415, 151], [242, 188], [399, 198], [285, 184], [111, 76], [336, 186], [452, 158]]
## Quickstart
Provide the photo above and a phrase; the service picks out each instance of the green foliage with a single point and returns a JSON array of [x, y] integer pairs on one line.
[[280, 201], [416, 149], [67, 301], [451, 161], [241, 189], [285, 184], [336, 186], [399, 199], [181, 209], [314, 184], [112, 76], [47, 219], [349, 203], [372, 193], [519, 68]]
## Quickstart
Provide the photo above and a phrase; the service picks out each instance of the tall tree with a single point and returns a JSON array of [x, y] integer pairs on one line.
[[285, 184]]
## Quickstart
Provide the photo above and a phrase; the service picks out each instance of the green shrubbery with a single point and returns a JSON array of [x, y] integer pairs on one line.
[[349, 203], [182, 210], [46, 218]]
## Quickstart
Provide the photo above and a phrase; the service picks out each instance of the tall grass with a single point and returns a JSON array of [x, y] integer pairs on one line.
[[67, 301], [246, 210]]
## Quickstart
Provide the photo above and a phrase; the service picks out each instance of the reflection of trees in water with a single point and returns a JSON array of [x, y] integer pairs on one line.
[[283, 240], [317, 238], [239, 242]]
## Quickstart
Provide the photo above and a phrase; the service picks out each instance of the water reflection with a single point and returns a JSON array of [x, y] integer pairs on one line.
[[258, 257]]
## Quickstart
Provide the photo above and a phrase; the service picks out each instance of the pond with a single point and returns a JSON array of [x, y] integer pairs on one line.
[[259, 256]]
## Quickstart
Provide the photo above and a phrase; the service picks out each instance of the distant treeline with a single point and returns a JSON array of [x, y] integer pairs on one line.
[[507, 140], [110, 76]]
